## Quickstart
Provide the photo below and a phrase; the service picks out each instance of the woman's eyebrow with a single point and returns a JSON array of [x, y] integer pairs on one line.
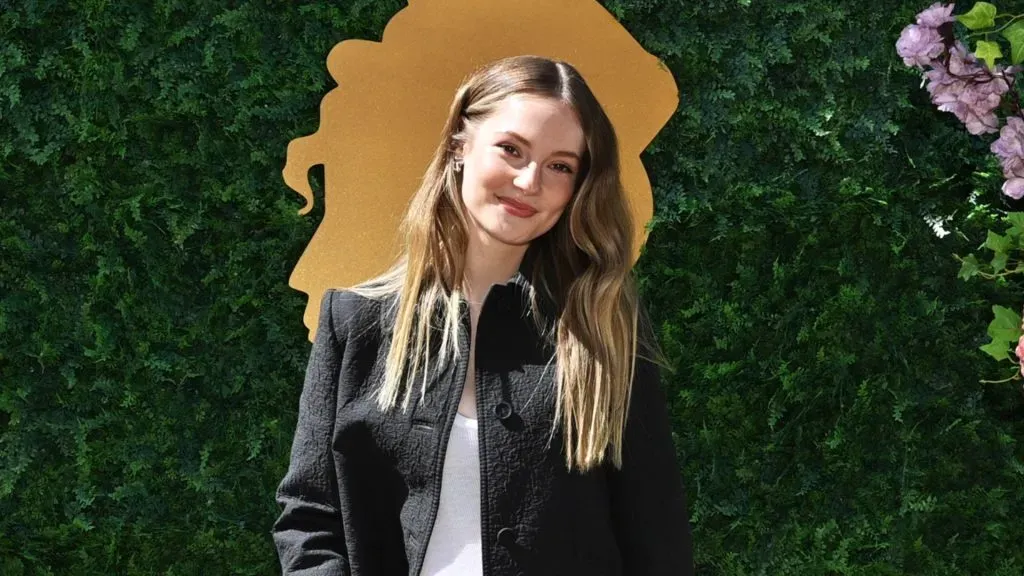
[[527, 143]]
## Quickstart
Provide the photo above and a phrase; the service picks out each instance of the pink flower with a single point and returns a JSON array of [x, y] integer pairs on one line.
[[962, 62], [1011, 139], [1013, 167], [968, 90], [1020, 354], [1009, 147], [919, 45], [936, 15], [1014, 188]]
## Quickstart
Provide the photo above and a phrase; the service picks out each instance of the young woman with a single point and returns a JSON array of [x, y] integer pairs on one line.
[[490, 406]]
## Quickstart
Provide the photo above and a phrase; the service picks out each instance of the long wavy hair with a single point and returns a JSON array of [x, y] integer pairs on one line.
[[583, 265]]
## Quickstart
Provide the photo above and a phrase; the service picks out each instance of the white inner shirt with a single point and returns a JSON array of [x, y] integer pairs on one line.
[[454, 546]]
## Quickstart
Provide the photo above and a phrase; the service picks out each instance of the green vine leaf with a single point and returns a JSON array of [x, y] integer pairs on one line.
[[988, 52], [982, 15], [968, 268], [1016, 221], [997, 349], [998, 243], [999, 262], [1005, 330], [1015, 34]]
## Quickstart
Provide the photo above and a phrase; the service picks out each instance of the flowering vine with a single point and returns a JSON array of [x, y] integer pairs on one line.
[[978, 87]]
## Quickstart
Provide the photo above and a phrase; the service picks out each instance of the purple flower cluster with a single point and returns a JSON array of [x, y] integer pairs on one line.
[[968, 90], [921, 44], [960, 84], [964, 86], [1009, 147]]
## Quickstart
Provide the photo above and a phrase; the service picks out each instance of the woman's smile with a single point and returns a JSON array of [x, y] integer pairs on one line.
[[516, 208]]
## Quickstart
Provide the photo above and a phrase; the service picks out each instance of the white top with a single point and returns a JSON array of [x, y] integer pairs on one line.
[[454, 545]]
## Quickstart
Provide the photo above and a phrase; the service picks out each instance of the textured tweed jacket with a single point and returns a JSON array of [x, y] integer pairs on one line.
[[362, 489]]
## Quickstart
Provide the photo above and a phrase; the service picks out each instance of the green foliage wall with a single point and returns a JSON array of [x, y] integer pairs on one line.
[[826, 395]]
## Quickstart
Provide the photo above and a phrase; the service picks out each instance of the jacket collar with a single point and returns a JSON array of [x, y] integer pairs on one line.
[[514, 294]]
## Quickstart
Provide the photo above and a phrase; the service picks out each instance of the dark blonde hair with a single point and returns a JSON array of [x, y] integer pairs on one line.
[[582, 266]]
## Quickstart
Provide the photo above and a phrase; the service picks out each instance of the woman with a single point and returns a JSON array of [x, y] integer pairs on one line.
[[489, 405]]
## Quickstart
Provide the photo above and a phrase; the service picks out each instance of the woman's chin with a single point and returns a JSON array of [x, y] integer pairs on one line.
[[501, 227], [508, 235]]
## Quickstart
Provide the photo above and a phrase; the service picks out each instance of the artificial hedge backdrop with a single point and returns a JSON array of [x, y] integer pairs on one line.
[[826, 394]]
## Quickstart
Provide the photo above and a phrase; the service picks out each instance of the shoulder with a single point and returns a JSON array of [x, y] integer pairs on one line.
[[351, 315]]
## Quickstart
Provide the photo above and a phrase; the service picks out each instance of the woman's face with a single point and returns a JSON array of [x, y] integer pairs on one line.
[[520, 168]]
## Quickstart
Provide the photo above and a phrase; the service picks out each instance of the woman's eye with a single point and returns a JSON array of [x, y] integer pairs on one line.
[[564, 168], [509, 148]]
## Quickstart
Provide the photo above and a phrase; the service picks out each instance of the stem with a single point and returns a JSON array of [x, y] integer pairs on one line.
[[1016, 376], [1000, 29], [989, 276], [984, 73], [1012, 20], [1010, 272]]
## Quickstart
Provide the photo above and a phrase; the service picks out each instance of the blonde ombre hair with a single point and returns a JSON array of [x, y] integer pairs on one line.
[[583, 266]]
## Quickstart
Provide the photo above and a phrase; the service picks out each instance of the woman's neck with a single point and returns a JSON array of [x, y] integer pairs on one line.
[[489, 263]]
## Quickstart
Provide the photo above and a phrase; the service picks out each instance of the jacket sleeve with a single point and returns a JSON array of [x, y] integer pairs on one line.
[[648, 499], [308, 534]]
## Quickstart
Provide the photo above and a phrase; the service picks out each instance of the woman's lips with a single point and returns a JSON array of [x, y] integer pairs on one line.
[[517, 208]]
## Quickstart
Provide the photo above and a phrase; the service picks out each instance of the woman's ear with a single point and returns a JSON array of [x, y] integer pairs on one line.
[[459, 151]]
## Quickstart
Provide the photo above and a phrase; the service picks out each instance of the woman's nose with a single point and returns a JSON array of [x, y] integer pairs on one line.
[[528, 178]]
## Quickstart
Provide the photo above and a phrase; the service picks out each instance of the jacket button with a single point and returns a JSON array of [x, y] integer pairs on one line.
[[506, 537], [503, 410]]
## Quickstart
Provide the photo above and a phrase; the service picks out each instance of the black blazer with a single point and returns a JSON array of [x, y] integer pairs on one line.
[[361, 492]]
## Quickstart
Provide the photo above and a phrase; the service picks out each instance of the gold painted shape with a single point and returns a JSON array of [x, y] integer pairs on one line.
[[381, 124]]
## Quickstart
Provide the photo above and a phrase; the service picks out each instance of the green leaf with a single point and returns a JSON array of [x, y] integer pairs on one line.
[[1015, 218], [1004, 330], [997, 243], [1005, 325], [982, 15], [1016, 222], [969, 267], [999, 262], [997, 349], [988, 52], [1014, 234], [1015, 34]]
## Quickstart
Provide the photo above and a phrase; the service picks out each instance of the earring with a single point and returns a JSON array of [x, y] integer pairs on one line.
[[458, 166]]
